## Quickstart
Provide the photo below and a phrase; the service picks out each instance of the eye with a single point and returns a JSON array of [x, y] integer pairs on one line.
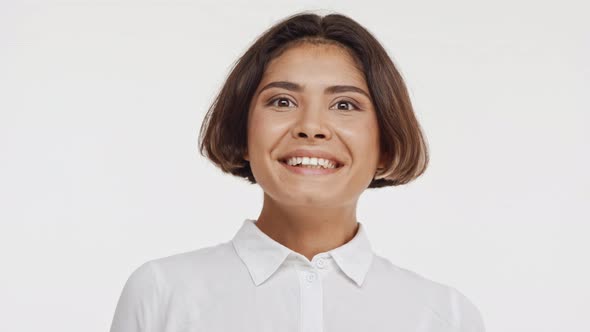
[[282, 102], [346, 102]]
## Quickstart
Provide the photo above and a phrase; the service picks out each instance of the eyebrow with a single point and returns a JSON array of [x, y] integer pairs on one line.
[[329, 90]]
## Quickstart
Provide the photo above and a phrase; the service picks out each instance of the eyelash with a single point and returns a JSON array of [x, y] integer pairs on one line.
[[355, 107]]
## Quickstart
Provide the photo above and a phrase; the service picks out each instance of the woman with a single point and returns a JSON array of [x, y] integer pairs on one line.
[[314, 112]]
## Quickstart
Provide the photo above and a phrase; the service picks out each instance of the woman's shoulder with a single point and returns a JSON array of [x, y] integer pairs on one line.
[[195, 263], [156, 281], [175, 270], [444, 300]]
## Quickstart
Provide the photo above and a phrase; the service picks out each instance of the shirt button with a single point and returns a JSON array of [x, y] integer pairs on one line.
[[321, 263], [310, 277]]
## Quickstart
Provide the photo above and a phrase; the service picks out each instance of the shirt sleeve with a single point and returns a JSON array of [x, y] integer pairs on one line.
[[138, 308], [467, 317]]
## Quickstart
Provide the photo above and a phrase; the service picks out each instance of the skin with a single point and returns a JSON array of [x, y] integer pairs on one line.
[[311, 214]]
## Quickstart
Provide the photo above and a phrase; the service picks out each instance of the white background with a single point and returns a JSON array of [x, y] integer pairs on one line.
[[101, 103]]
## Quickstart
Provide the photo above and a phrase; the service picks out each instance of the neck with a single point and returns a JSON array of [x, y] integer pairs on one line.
[[308, 230]]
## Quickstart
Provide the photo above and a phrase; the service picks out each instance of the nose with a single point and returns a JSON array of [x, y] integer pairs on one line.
[[311, 123]]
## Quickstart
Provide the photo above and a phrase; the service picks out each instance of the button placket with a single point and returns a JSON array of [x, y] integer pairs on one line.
[[311, 292], [321, 263]]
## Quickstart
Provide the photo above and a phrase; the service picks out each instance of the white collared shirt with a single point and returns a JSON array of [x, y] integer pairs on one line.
[[255, 284]]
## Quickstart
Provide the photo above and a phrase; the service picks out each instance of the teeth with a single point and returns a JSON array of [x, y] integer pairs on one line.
[[311, 162]]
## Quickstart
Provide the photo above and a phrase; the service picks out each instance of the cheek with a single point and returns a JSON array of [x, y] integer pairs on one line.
[[362, 140], [263, 133]]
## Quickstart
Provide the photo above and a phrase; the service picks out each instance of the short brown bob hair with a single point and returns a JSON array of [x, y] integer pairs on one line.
[[223, 134]]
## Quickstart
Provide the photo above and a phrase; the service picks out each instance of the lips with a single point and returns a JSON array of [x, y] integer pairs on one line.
[[311, 153]]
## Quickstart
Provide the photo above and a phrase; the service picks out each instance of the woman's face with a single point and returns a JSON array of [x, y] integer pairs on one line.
[[312, 97]]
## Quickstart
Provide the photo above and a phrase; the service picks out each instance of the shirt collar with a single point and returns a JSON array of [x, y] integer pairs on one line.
[[262, 255]]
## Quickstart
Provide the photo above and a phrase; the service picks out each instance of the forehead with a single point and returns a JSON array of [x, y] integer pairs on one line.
[[315, 65]]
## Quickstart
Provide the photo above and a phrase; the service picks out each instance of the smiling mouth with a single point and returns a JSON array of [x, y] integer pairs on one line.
[[311, 170], [338, 165]]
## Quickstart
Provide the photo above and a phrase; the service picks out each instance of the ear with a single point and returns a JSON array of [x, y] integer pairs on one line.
[[246, 157]]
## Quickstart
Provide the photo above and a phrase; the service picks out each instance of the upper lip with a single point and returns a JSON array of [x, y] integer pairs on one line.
[[311, 153]]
